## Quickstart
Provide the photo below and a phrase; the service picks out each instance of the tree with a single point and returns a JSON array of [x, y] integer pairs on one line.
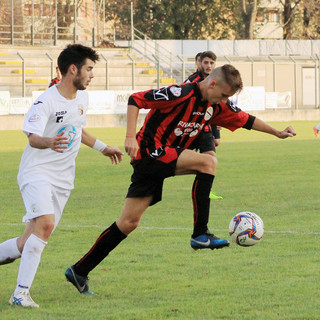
[[118, 11], [249, 15], [310, 20], [289, 9], [211, 19], [167, 19]]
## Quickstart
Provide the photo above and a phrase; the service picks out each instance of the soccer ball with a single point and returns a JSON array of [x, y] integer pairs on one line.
[[246, 229]]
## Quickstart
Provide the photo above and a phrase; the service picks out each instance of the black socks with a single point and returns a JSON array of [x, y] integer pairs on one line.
[[201, 202], [106, 242]]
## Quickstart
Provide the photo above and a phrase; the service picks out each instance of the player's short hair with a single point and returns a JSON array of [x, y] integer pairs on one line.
[[232, 77], [197, 56], [208, 54], [75, 54]]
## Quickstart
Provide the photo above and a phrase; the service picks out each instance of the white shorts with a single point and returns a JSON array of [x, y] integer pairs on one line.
[[42, 198]]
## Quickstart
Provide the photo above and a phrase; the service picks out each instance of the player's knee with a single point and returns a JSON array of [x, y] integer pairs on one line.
[[211, 153], [210, 164], [126, 226], [134, 224], [47, 229]]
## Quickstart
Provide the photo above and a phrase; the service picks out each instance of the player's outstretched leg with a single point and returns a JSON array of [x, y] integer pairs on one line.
[[208, 241], [9, 251], [80, 282]]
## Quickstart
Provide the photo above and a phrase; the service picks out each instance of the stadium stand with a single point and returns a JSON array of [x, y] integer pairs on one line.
[[31, 68]]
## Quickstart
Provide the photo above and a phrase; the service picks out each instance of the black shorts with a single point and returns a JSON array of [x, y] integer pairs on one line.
[[215, 132], [205, 140], [150, 172]]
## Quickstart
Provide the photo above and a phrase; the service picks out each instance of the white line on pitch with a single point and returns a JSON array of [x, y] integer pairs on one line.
[[162, 228]]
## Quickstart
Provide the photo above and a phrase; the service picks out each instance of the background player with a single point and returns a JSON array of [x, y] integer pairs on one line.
[[209, 138], [57, 79], [198, 61]]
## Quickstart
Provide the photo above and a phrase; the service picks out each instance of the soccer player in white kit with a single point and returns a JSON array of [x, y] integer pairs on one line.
[[54, 126]]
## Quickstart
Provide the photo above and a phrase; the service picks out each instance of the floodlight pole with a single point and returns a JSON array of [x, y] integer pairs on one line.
[[55, 23], [131, 18], [32, 24], [12, 22], [75, 22]]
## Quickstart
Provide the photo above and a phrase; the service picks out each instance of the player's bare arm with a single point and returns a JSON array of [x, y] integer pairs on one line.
[[58, 143], [114, 153], [131, 144], [260, 125]]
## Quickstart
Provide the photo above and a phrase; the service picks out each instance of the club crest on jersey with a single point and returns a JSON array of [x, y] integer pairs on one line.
[[34, 118], [161, 94], [176, 91], [69, 132], [209, 114]]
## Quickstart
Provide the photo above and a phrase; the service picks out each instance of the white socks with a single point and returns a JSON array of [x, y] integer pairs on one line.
[[9, 251], [30, 260]]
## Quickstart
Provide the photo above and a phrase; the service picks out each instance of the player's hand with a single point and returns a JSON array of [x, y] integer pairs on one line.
[[131, 146], [59, 143], [288, 132], [113, 153]]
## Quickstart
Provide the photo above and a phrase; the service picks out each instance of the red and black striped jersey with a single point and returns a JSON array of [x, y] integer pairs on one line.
[[54, 81], [178, 115], [195, 77]]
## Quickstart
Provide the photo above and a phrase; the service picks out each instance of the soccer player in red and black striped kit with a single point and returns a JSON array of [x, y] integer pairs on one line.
[[207, 64], [209, 138], [163, 148]]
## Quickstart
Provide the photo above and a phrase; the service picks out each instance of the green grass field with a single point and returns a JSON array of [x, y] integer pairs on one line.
[[154, 273]]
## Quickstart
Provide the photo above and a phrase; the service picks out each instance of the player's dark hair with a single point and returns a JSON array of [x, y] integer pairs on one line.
[[208, 54], [197, 56], [75, 54], [232, 77]]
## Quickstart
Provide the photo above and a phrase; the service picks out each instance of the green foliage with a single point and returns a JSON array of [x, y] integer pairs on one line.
[[154, 274], [203, 19], [190, 19]]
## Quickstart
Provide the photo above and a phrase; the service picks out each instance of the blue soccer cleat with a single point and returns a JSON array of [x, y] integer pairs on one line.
[[80, 282], [208, 241]]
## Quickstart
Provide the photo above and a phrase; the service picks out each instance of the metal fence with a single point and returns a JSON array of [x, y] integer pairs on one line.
[[46, 22]]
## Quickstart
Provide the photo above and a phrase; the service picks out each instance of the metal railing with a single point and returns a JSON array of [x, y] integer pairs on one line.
[[51, 35], [23, 74], [275, 73]]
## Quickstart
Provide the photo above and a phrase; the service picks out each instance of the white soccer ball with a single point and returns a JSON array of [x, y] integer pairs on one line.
[[246, 229]]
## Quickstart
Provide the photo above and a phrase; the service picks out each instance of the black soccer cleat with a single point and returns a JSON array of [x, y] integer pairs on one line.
[[208, 241], [80, 282]]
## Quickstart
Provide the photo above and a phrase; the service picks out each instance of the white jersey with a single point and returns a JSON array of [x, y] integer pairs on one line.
[[49, 115]]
